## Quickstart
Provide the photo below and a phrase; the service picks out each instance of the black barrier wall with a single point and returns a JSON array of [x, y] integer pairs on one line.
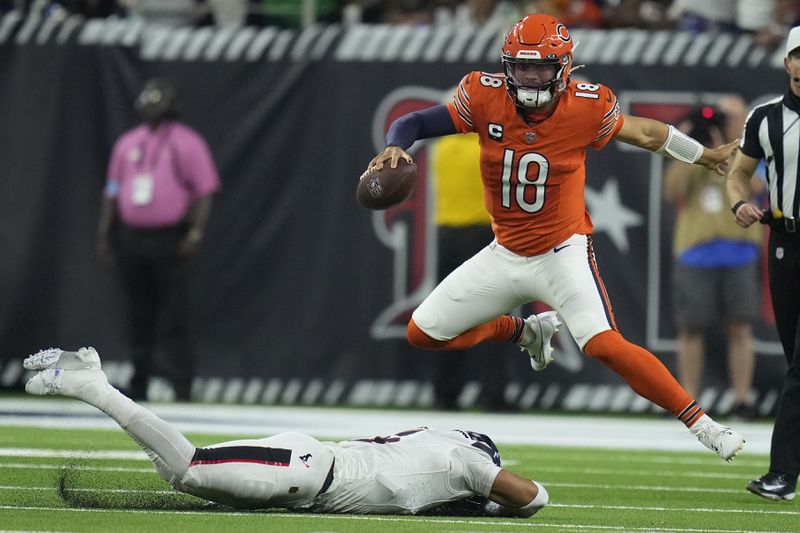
[[302, 296]]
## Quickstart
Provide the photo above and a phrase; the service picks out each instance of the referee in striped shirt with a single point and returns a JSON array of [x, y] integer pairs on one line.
[[772, 133]]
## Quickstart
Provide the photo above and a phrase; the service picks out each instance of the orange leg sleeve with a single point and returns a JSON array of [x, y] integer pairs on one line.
[[645, 374], [502, 328]]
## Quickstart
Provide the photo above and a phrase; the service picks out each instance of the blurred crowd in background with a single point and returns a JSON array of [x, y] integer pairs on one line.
[[767, 20]]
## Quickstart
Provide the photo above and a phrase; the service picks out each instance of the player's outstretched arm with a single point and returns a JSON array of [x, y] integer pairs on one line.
[[665, 139], [426, 124], [514, 495]]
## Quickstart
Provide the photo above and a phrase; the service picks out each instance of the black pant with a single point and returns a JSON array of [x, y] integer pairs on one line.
[[456, 245], [156, 285], [784, 282]]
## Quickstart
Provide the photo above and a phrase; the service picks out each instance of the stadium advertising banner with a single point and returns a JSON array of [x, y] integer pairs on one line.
[[300, 295]]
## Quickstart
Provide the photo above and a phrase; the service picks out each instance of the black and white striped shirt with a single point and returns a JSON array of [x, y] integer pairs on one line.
[[772, 133]]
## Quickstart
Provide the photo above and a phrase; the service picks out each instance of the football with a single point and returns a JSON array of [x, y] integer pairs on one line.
[[381, 189]]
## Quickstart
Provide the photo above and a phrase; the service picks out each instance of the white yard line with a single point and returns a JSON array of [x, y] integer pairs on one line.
[[646, 473], [418, 520], [655, 433], [115, 491], [647, 488], [29, 531], [676, 509], [128, 455], [28, 466], [74, 454], [650, 458], [138, 455]]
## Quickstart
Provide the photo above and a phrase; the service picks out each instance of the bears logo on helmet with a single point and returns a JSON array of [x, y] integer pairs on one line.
[[541, 41]]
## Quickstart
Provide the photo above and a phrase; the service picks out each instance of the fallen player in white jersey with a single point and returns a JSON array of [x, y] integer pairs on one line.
[[407, 473]]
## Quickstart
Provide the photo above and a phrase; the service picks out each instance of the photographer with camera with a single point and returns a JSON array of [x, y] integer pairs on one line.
[[715, 269]]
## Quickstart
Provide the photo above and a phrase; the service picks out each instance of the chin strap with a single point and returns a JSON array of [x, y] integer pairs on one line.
[[576, 67]]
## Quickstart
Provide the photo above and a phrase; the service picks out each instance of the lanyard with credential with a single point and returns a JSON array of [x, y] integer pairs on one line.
[[143, 186], [161, 139]]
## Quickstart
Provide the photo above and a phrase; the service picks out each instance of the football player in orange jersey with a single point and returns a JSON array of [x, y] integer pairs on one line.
[[534, 128]]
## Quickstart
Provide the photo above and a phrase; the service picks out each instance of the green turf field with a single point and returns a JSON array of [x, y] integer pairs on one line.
[[105, 488]]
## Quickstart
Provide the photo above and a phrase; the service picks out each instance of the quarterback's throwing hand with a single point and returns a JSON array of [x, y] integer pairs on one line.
[[717, 159], [391, 154]]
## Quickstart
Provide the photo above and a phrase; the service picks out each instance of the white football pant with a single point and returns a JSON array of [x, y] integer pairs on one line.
[[495, 281]]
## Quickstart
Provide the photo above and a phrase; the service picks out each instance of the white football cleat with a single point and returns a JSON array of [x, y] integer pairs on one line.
[[721, 439], [537, 333], [84, 358], [74, 374]]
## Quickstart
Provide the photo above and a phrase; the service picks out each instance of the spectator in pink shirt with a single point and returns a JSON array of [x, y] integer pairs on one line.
[[157, 199]]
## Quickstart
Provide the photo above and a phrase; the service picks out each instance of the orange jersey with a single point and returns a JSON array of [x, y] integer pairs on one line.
[[534, 176]]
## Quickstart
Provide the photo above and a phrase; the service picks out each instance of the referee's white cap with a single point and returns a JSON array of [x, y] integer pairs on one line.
[[793, 41]]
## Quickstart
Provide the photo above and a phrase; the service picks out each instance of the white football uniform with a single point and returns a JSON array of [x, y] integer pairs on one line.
[[496, 280], [286, 470], [404, 473], [407, 473]]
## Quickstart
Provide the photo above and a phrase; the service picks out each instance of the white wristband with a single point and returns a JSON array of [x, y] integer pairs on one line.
[[681, 147], [531, 508]]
